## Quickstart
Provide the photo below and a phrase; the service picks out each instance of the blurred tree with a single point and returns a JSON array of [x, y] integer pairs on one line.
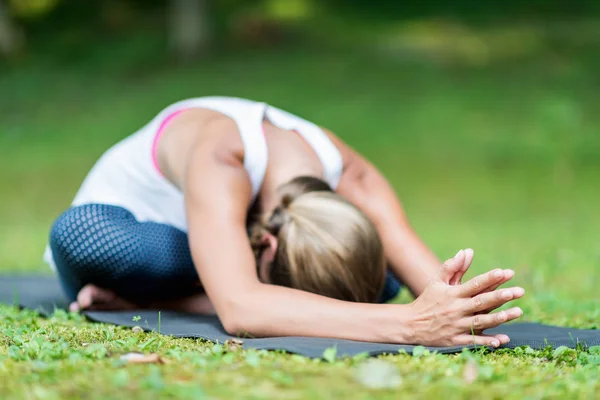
[[289, 10], [11, 36], [32, 8], [267, 23], [189, 27]]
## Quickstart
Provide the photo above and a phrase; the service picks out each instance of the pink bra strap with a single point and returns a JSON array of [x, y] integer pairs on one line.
[[158, 135]]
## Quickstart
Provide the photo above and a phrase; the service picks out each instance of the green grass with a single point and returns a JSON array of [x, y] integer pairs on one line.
[[503, 158]]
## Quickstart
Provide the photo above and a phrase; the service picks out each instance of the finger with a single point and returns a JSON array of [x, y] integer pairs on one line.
[[486, 321], [451, 266], [469, 254], [479, 340], [495, 299], [504, 339], [508, 275], [477, 285], [456, 279]]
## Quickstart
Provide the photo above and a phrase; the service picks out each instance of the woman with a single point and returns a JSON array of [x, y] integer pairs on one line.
[[236, 207]]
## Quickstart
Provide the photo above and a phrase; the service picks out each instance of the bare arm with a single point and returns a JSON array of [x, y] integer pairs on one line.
[[217, 193], [362, 184]]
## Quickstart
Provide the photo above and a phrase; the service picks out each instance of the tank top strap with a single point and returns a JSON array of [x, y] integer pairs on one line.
[[249, 121]]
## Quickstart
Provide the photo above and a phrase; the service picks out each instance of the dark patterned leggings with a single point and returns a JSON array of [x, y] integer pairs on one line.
[[141, 261]]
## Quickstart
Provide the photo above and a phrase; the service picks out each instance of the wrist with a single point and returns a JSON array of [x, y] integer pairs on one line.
[[396, 324]]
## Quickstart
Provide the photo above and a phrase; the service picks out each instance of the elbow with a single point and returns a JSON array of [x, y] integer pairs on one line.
[[240, 324], [233, 323], [237, 318]]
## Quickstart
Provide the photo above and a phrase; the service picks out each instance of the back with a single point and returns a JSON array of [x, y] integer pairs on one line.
[[127, 176]]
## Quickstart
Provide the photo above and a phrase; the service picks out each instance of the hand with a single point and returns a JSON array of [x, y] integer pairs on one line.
[[446, 315], [461, 262], [92, 297]]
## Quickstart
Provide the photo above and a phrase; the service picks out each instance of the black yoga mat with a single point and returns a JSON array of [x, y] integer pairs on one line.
[[44, 295]]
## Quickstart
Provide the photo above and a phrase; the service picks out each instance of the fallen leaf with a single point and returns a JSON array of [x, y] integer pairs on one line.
[[378, 374], [470, 372], [234, 344], [139, 358]]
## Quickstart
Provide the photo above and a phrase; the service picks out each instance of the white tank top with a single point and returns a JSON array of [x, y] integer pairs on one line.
[[126, 174]]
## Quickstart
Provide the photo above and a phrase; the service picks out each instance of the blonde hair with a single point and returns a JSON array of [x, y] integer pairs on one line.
[[326, 245]]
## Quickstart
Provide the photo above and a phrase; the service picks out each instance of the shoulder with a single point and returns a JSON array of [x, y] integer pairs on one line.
[[215, 135], [216, 162]]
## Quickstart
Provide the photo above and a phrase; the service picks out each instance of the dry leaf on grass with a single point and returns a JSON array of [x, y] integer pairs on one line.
[[234, 344], [136, 329], [139, 358]]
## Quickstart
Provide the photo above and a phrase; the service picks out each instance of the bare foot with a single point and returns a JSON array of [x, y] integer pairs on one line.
[[92, 297]]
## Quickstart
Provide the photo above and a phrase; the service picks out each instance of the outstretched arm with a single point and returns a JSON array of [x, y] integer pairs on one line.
[[218, 194], [410, 259]]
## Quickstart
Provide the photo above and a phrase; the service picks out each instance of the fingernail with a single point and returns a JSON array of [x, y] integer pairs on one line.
[[519, 292], [508, 340], [506, 294], [519, 312], [509, 272], [458, 254], [501, 316], [498, 274], [495, 343]]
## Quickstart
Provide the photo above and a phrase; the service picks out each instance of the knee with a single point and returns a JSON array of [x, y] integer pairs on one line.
[[64, 245], [62, 231], [97, 240], [72, 231]]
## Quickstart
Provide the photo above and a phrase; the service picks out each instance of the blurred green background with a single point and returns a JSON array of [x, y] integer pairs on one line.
[[483, 115]]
